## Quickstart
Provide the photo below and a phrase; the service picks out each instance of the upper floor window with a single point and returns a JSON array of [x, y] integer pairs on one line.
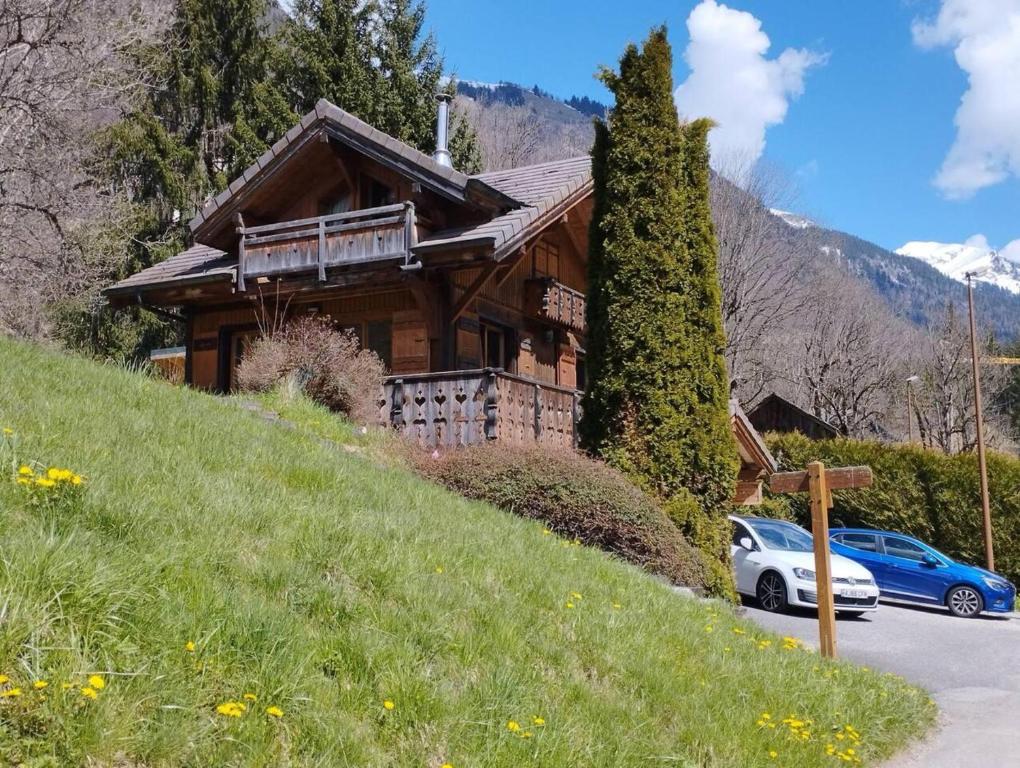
[[375, 194], [546, 260]]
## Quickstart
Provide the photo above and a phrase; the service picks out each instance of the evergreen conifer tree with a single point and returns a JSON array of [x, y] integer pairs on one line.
[[657, 401]]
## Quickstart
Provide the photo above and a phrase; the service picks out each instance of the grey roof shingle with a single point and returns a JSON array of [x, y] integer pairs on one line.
[[198, 263], [542, 188]]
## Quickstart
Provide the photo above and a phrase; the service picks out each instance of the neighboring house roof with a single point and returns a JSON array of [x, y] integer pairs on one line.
[[197, 264], [750, 444], [779, 414]]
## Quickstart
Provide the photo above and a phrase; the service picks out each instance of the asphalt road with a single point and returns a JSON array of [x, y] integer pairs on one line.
[[970, 666]]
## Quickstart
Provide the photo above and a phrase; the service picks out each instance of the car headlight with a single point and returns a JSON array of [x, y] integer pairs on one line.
[[994, 583], [804, 573]]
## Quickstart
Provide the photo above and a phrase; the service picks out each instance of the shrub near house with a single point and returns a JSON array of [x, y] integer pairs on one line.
[[923, 493], [576, 497]]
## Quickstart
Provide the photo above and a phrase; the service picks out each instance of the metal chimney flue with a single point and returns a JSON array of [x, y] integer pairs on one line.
[[442, 153]]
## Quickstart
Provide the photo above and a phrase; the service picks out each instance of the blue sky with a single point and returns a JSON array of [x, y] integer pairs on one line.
[[865, 139]]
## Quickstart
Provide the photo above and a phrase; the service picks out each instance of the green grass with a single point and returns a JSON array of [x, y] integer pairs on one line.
[[326, 582]]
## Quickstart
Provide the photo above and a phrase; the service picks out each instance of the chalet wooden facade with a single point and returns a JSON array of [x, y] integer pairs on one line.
[[470, 288]]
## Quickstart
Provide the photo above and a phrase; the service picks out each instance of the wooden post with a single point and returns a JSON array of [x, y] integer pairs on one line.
[[322, 250], [820, 482], [821, 500], [986, 512], [239, 229]]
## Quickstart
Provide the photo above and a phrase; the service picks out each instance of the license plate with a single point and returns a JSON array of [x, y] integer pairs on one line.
[[854, 593]]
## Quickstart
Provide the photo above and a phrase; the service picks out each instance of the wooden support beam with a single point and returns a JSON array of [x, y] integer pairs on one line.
[[509, 265], [573, 237], [472, 291], [820, 501], [835, 479]]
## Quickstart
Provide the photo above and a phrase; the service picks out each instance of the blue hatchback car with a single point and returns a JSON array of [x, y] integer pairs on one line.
[[908, 569]]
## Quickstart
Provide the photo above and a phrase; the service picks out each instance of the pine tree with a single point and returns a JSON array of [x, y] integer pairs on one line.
[[657, 403], [374, 61]]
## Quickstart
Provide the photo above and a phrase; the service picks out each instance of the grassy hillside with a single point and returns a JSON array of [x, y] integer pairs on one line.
[[208, 555]]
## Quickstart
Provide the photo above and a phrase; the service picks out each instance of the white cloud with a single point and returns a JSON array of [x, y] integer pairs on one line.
[[733, 82], [985, 38], [978, 241], [1011, 251]]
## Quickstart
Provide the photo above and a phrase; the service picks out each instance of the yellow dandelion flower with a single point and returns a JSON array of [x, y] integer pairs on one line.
[[10, 693], [446, 765], [538, 721], [546, 532], [739, 631], [773, 754], [24, 481], [77, 480], [39, 684], [190, 646], [513, 726], [576, 595], [617, 605], [527, 735], [66, 686], [4, 679], [439, 569], [251, 697], [231, 709], [8, 431], [45, 482], [570, 605], [97, 682], [274, 711], [24, 470], [89, 693], [388, 704]]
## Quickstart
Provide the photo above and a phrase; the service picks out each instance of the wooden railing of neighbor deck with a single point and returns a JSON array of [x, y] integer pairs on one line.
[[554, 302], [458, 408], [305, 245]]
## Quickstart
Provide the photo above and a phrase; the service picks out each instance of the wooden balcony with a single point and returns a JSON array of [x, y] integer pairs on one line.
[[313, 245], [457, 408], [554, 302]]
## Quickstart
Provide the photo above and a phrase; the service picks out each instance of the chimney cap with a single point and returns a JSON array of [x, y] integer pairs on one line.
[[444, 96]]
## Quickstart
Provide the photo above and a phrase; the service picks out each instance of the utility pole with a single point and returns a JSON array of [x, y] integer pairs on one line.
[[982, 466], [911, 380]]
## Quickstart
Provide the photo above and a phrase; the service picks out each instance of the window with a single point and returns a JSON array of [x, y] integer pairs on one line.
[[582, 372], [375, 194], [497, 347], [546, 260], [895, 547], [740, 532], [862, 541]]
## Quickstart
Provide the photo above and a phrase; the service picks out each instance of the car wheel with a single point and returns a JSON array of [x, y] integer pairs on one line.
[[771, 592], [964, 602]]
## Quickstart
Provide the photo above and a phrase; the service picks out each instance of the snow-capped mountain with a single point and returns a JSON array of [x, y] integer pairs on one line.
[[795, 220], [956, 259]]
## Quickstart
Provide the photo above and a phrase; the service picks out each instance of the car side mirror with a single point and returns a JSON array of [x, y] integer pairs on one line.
[[746, 543], [929, 561]]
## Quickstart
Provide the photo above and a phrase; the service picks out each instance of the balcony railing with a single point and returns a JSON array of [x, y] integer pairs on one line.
[[306, 245], [458, 408], [554, 302]]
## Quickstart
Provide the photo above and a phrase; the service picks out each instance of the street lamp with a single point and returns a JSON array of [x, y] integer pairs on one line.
[[982, 467], [910, 419]]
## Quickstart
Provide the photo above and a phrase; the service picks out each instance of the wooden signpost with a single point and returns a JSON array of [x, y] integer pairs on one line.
[[820, 482]]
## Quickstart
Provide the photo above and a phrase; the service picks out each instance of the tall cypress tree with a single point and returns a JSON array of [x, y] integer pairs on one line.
[[656, 406]]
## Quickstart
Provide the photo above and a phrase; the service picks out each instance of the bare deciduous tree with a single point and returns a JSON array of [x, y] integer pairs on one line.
[[762, 278], [63, 72]]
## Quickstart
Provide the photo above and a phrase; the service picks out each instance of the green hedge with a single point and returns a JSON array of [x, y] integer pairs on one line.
[[924, 493], [579, 499]]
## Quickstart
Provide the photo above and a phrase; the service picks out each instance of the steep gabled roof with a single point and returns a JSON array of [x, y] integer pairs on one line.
[[540, 193], [330, 120]]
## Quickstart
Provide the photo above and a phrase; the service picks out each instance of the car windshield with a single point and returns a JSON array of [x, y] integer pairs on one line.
[[776, 534]]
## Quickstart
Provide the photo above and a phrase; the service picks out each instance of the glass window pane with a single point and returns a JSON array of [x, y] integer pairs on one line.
[[897, 547], [862, 541]]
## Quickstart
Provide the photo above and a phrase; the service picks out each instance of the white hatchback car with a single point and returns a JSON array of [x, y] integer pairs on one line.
[[774, 562]]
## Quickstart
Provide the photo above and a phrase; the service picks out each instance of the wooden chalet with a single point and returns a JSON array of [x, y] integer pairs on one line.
[[470, 288], [777, 414]]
